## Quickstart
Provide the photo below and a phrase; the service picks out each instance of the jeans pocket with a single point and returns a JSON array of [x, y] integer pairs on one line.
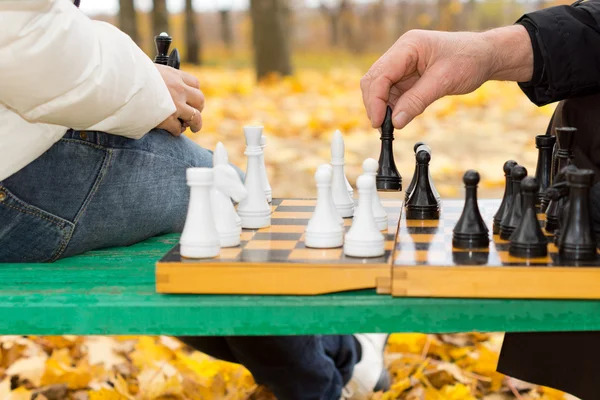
[[29, 234]]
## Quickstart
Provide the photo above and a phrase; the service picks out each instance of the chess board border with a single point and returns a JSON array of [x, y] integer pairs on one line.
[[519, 278], [309, 276]]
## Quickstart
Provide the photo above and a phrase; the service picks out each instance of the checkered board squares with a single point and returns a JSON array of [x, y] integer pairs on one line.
[[426, 264], [275, 260]]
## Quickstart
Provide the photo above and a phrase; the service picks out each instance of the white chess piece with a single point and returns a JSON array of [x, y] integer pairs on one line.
[[323, 230], [199, 238], [227, 185], [334, 210], [254, 210], [220, 157], [349, 187], [263, 168], [364, 238], [341, 198], [370, 166]]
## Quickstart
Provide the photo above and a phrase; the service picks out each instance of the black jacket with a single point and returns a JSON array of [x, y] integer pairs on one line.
[[566, 45]]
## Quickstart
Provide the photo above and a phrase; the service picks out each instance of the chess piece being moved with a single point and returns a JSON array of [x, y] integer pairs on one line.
[[422, 203], [341, 198], [227, 186], [515, 212], [323, 229], [578, 241], [528, 240], [200, 238], [543, 170], [364, 238], [470, 232], [381, 218], [388, 178], [263, 169], [506, 199], [254, 210]]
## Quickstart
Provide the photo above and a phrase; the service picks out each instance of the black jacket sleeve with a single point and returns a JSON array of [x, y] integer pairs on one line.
[[566, 46]]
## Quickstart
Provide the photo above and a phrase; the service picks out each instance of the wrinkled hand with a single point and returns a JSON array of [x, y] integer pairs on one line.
[[423, 66], [189, 101]]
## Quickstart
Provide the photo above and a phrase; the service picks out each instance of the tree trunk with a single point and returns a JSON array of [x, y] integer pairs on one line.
[[226, 29], [160, 17], [192, 40], [128, 19], [270, 36]]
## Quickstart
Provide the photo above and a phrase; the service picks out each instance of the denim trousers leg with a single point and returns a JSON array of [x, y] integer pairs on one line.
[[292, 367], [93, 190]]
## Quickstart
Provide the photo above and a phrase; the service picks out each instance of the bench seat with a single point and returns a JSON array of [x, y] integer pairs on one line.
[[111, 292]]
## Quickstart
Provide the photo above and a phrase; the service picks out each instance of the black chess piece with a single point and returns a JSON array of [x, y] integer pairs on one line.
[[162, 42], [543, 170], [388, 178], [562, 198], [411, 185], [515, 212], [422, 203], [578, 241], [528, 239], [470, 232], [506, 199], [556, 194], [563, 154], [408, 192]]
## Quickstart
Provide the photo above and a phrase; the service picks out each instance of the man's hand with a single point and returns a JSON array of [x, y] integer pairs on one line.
[[423, 66], [189, 100]]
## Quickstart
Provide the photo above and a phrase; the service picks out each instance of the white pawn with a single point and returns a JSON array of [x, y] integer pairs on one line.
[[341, 198], [370, 167], [334, 210], [364, 238], [263, 167], [254, 210], [227, 185], [323, 230], [199, 238]]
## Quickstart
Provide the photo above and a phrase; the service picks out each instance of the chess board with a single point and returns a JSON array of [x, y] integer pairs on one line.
[[425, 264], [275, 260]]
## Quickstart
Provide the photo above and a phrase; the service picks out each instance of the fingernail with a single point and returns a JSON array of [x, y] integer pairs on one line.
[[401, 120]]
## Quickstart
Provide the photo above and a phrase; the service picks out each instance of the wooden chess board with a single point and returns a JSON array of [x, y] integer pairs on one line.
[[425, 264], [274, 260]]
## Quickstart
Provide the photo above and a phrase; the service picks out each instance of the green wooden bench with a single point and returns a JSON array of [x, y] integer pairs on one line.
[[112, 292]]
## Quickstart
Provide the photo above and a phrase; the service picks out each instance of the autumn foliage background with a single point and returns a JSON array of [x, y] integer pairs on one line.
[[300, 112]]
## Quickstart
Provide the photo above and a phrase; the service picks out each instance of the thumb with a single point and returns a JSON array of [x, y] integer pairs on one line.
[[415, 100]]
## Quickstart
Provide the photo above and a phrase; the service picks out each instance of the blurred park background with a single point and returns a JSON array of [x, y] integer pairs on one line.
[[294, 67]]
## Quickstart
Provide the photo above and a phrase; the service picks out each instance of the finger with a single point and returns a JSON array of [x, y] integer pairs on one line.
[[194, 123], [172, 125], [391, 71], [190, 80], [195, 98], [414, 101], [364, 88]]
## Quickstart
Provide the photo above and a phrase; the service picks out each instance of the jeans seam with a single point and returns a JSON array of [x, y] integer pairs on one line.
[[62, 226], [97, 181]]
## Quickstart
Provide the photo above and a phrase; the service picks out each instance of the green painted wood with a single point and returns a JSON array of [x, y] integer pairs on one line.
[[112, 292]]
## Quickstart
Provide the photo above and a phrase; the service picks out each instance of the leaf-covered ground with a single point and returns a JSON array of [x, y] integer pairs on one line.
[[478, 131]]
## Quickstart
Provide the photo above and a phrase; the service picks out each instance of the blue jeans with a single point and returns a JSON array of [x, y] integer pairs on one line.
[[93, 190]]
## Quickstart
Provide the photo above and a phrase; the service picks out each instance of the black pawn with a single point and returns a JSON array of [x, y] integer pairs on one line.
[[422, 203], [562, 198], [470, 232], [556, 198], [414, 178], [411, 185], [388, 178], [543, 170], [578, 241], [515, 212], [506, 199], [563, 155], [162, 42], [528, 240]]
